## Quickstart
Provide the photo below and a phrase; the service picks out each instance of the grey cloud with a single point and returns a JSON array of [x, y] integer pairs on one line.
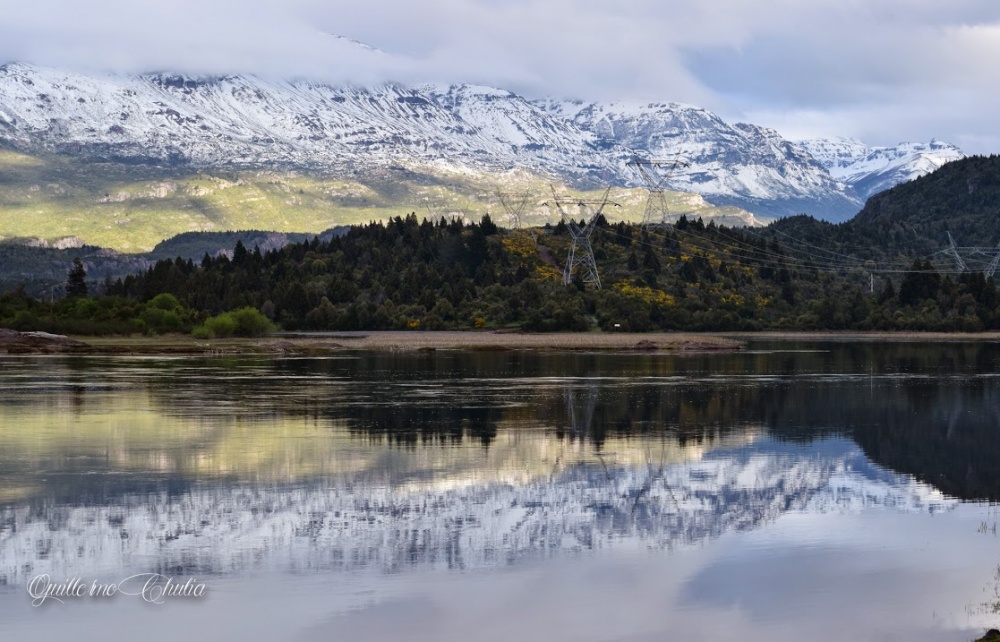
[[787, 60]]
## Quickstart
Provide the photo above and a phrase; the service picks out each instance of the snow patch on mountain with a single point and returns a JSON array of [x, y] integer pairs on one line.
[[870, 170]]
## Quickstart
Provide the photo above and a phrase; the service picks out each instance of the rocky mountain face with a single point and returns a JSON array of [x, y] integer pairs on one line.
[[744, 165], [870, 170], [239, 121]]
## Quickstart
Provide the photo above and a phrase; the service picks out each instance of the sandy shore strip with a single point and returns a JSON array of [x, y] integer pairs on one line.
[[329, 342], [533, 341]]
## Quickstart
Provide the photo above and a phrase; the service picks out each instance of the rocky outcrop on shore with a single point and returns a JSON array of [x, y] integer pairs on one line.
[[14, 342]]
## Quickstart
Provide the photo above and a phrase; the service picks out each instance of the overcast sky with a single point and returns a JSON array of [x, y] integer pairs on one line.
[[880, 70]]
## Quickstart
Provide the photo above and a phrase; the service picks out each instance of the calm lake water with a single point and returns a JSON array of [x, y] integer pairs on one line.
[[818, 490]]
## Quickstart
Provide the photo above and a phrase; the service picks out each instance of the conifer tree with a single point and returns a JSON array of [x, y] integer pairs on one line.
[[76, 283]]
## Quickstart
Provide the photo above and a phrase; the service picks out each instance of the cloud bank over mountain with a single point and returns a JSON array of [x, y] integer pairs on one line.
[[882, 71]]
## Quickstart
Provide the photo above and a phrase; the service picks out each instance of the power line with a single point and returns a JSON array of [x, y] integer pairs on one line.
[[780, 260], [808, 244]]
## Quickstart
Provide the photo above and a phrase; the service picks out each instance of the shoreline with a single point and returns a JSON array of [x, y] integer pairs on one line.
[[415, 341], [324, 343], [493, 340], [901, 336], [390, 341]]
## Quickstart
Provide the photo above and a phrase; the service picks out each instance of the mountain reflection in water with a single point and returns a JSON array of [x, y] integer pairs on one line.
[[469, 460]]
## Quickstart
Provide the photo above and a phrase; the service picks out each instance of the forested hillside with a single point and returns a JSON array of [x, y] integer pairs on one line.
[[882, 270], [962, 198], [420, 275], [913, 219]]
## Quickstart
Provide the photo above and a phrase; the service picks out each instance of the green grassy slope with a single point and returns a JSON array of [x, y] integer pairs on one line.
[[131, 208]]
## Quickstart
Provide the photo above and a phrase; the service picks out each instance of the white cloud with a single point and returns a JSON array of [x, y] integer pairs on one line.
[[873, 67]]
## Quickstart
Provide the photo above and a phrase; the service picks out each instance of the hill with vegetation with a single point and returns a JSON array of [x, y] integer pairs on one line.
[[962, 197], [872, 273], [913, 219], [408, 274], [41, 271]]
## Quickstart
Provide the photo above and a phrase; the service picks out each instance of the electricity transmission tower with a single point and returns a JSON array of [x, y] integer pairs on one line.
[[655, 175], [435, 213], [952, 251], [991, 269], [581, 253], [961, 257], [514, 205]]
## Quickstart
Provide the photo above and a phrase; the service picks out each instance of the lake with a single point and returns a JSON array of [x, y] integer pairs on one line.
[[821, 490]]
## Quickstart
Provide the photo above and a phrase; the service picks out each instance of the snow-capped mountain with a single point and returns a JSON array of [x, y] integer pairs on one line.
[[742, 164], [243, 121], [870, 170], [251, 122]]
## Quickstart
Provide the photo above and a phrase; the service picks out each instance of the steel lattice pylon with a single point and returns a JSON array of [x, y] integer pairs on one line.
[[514, 205], [952, 251], [991, 269], [969, 258], [655, 175], [581, 252]]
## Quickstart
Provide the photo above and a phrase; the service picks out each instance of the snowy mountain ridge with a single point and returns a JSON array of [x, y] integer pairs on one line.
[[244, 121], [870, 170]]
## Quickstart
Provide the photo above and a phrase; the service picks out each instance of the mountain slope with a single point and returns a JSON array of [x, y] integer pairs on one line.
[[962, 197], [742, 164], [870, 170], [131, 208], [243, 122], [249, 122]]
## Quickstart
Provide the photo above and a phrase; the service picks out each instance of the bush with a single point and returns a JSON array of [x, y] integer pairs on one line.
[[244, 322], [166, 302], [81, 308], [201, 332], [223, 325], [161, 321], [251, 323]]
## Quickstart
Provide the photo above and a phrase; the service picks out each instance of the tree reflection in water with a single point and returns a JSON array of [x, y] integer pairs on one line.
[[476, 459]]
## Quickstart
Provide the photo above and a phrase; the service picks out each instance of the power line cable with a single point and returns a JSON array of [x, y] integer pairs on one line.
[[783, 260]]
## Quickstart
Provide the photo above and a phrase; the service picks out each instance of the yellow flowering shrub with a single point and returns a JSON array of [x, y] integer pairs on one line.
[[520, 245], [546, 271], [647, 294]]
